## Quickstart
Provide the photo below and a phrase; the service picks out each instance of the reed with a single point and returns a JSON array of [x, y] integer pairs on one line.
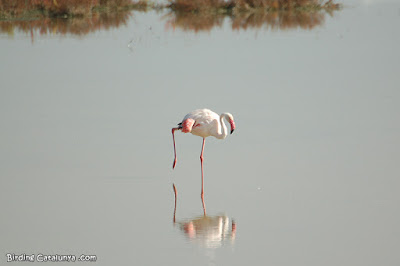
[[197, 21], [203, 15], [277, 20], [77, 26], [65, 8], [229, 6], [85, 8], [219, 6], [278, 4]]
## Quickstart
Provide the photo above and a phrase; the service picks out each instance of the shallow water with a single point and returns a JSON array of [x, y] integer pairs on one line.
[[309, 177]]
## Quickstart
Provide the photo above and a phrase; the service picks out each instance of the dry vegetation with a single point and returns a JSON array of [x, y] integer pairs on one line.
[[67, 8], [190, 15], [274, 5], [273, 20], [228, 6], [77, 26], [203, 15], [276, 20], [187, 21], [200, 5]]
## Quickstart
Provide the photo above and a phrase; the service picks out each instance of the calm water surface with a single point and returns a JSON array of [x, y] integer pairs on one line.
[[310, 176]]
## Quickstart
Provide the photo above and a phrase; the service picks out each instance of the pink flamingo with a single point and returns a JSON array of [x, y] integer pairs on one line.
[[203, 123]]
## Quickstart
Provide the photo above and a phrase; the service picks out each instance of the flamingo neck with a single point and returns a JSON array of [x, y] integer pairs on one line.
[[223, 131]]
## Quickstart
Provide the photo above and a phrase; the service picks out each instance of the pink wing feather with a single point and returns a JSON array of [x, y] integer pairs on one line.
[[187, 125]]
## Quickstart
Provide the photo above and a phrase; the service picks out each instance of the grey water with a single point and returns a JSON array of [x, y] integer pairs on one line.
[[309, 177]]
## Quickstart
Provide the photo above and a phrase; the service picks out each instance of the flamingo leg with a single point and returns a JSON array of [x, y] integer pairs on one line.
[[202, 177], [175, 192], [173, 138]]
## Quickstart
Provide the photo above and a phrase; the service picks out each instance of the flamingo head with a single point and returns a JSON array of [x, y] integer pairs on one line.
[[231, 121], [232, 126]]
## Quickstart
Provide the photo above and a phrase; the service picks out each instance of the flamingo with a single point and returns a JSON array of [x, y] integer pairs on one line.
[[203, 123]]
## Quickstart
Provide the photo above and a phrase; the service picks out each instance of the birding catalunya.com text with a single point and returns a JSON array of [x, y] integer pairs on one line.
[[49, 258]]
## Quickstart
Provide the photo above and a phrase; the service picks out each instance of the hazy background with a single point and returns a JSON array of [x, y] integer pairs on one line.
[[310, 175]]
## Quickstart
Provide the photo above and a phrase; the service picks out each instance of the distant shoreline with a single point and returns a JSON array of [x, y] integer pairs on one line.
[[22, 10]]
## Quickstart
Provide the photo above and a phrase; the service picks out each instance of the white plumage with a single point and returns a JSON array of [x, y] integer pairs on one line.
[[208, 123]]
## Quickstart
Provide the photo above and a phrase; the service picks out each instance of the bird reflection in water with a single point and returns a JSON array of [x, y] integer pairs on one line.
[[207, 231]]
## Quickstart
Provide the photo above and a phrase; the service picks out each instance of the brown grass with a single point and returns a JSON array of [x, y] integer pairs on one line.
[[277, 20], [198, 21], [202, 15], [249, 5], [62, 8], [50, 7], [273, 20], [275, 4], [199, 5], [188, 15], [78, 26], [56, 8]]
